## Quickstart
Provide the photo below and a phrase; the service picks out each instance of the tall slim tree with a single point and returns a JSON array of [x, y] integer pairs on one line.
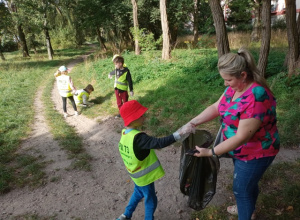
[[219, 22], [22, 40], [6, 21], [136, 26], [166, 51], [100, 39], [266, 36], [293, 37], [255, 34], [195, 22], [21, 35], [46, 31]]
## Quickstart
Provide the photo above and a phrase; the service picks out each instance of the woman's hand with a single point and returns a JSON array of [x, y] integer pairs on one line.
[[203, 152]]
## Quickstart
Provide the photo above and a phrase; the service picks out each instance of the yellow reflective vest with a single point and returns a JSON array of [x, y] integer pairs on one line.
[[63, 85], [78, 99], [141, 172], [120, 81]]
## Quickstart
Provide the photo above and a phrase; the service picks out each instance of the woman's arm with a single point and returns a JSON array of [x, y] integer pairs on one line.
[[245, 131]]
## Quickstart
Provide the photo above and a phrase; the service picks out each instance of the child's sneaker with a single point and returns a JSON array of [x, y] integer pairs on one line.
[[123, 217], [76, 113], [66, 114]]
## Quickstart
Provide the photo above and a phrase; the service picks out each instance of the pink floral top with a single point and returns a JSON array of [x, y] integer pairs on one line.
[[256, 102]]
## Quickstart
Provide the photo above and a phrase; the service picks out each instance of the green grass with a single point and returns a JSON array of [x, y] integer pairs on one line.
[[19, 80]]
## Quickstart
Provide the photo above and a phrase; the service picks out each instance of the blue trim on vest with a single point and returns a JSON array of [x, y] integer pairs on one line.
[[128, 130]]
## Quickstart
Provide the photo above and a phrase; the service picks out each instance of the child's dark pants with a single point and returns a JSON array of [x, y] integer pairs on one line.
[[64, 99]]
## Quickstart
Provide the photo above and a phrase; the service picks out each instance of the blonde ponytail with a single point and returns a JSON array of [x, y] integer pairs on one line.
[[234, 64]]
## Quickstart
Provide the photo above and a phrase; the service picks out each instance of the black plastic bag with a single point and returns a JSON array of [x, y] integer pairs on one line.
[[198, 176]]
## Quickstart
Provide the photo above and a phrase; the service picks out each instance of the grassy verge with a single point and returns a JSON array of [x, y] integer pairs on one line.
[[19, 80]]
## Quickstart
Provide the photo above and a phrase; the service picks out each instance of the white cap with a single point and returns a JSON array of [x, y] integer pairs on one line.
[[63, 68], [114, 57]]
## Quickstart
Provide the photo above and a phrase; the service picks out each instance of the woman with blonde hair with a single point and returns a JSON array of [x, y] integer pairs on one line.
[[248, 114]]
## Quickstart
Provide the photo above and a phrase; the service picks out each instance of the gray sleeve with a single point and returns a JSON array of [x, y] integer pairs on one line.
[[84, 99]]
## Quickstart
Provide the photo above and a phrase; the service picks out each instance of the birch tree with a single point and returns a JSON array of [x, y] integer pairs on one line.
[[136, 26], [166, 51]]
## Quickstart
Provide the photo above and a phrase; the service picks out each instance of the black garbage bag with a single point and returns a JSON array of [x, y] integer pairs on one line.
[[198, 176]]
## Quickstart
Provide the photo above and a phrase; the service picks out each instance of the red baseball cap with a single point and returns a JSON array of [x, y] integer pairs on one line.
[[131, 111]]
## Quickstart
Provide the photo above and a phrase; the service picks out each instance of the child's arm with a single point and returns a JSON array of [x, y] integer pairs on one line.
[[57, 73], [130, 84], [72, 85], [144, 141], [85, 101], [111, 74]]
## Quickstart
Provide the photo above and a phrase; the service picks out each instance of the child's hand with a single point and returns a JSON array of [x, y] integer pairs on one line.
[[109, 76], [131, 93], [185, 131]]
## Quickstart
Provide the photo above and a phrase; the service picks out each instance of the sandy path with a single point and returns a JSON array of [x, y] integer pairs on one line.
[[104, 192]]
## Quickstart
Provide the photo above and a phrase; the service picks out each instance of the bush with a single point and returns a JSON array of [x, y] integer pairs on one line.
[[9, 46], [279, 24]]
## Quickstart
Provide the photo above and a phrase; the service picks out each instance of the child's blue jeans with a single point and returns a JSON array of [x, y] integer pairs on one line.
[[245, 184], [140, 192]]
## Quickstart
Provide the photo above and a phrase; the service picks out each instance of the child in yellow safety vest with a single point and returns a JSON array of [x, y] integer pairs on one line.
[[66, 88], [82, 96], [137, 151], [123, 80]]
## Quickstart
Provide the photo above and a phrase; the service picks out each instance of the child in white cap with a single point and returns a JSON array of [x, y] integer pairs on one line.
[[65, 88], [137, 151]]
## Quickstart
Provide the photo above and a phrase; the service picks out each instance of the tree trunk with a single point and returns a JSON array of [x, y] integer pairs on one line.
[[255, 34], [173, 31], [136, 26], [48, 43], [221, 33], [1, 54], [100, 39], [166, 51], [293, 37], [195, 24], [23, 41], [266, 36]]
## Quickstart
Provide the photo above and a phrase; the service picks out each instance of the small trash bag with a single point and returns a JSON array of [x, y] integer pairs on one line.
[[198, 176]]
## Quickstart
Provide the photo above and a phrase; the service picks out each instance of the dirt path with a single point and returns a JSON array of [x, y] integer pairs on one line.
[[104, 192]]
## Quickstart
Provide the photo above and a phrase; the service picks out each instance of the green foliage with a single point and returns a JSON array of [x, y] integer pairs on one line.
[[206, 41], [63, 38], [279, 24], [206, 21], [239, 12], [146, 39]]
